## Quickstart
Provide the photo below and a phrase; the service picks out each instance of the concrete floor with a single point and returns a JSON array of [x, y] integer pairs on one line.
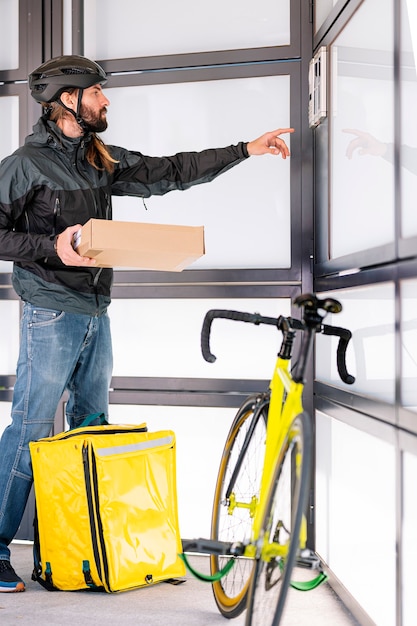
[[189, 604]]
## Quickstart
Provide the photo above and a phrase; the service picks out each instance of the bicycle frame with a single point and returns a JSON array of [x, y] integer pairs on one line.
[[285, 404], [274, 531]]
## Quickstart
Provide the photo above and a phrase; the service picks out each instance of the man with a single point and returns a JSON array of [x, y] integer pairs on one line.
[[63, 176]]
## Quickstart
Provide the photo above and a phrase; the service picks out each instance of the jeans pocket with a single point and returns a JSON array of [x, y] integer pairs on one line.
[[42, 317]]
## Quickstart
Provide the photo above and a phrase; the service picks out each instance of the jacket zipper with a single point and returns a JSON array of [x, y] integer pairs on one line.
[[99, 271], [57, 213], [79, 147]]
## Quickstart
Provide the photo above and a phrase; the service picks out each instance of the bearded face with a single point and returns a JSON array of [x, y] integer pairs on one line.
[[95, 120]]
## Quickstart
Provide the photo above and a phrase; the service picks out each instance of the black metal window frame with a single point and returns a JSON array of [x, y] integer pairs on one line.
[[393, 263], [41, 36], [236, 283], [289, 60], [400, 248]]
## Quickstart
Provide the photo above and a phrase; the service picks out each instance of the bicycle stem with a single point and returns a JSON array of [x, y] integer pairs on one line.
[[300, 368]]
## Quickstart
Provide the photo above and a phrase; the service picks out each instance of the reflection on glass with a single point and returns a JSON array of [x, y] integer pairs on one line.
[[409, 344], [409, 545], [362, 172], [9, 40], [356, 514], [369, 313], [247, 212], [128, 28], [149, 342], [408, 120]]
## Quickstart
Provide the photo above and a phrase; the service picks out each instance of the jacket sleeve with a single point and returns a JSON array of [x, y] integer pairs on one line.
[[140, 175], [16, 191]]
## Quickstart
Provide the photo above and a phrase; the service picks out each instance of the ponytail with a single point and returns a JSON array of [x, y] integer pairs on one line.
[[99, 156]]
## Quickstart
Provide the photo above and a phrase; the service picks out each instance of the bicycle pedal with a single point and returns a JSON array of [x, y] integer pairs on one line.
[[211, 546], [308, 560]]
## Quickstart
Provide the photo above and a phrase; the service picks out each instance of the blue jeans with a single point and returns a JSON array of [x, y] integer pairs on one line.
[[58, 351]]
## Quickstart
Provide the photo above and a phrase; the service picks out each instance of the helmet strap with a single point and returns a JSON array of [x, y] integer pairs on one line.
[[76, 113]]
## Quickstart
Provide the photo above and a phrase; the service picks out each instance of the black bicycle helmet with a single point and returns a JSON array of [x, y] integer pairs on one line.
[[50, 79]]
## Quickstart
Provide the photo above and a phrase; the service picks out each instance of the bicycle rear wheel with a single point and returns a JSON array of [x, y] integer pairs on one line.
[[240, 472], [281, 526]]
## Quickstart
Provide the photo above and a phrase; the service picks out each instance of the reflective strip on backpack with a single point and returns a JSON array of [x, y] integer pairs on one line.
[[135, 447]]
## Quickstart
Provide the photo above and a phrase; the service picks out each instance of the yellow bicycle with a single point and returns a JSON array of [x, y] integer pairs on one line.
[[259, 529]]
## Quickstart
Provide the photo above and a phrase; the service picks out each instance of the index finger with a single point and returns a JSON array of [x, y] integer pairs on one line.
[[281, 131]]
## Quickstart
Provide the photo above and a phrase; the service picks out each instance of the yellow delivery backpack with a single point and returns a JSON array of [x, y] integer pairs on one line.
[[106, 509]]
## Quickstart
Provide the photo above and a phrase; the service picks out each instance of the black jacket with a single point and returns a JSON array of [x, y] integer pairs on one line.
[[48, 185]]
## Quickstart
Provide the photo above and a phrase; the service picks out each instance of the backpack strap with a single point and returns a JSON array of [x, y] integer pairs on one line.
[[93, 417]]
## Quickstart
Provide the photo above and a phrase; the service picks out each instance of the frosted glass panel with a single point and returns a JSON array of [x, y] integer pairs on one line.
[[67, 27], [162, 338], [409, 122], [9, 40], [355, 514], [200, 435], [409, 547], [9, 341], [369, 313], [9, 138], [246, 211], [362, 131], [5, 412], [134, 29], [322, 8], [409, 344]]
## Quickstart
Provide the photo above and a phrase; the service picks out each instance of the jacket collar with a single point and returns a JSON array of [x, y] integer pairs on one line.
[[47, 132]]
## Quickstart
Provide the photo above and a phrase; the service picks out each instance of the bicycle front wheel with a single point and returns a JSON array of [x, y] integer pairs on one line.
[[281, 526], [235, 500]]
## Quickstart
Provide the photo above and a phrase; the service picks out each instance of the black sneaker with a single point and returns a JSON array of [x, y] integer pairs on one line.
[[9, 580]]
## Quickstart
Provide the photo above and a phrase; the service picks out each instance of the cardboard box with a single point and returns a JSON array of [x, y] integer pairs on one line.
[[145, 246]]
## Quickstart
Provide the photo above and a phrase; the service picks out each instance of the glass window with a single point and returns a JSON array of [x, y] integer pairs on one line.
[[369, 313], [409, 344], [200, 436], [408, 120], [67, 27], [246, 212], [9, 136], [355, 514], [9, 139], [9, 341], [9, 40], [322, 8], [147, 341], [5, 412], [409, 545], [362, 131], [136, 29]]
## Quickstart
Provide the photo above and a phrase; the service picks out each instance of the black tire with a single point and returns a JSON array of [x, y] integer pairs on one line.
[[287, 502], [231, 591]]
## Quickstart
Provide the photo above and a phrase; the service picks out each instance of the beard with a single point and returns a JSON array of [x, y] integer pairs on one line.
[[96, 122]]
